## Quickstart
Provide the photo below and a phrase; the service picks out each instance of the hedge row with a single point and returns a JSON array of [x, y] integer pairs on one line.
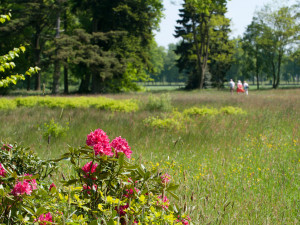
[[70, 102]]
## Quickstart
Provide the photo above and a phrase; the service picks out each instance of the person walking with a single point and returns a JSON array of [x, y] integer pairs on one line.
[[240, 87], [246, 87], [231, 85]]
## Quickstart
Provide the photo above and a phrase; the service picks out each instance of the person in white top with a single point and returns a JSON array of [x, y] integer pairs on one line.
[[246, 87], [231, 85]]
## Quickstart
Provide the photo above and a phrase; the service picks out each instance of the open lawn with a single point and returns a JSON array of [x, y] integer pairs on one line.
[[233, 169]]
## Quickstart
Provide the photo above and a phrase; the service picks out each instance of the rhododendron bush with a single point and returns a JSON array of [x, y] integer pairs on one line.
[[105, 187]]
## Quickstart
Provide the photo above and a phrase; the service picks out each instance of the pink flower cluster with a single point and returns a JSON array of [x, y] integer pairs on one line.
[[130, 192], [2, 171], [100, 143], [52, 186], [163, 202], [86, 187], [24, 187], [6, 147], [121, 145], [43, 219], [121, 209], [89, 168], [184, 221], [165, 178]]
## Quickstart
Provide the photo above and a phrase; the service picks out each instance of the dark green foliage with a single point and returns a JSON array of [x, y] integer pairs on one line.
[[22, 160], [204, 32]]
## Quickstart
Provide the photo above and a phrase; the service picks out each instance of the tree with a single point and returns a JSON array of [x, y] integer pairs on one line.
[[33, 19], [197, 30], [280, 31], [135, 19], [253, 49], [7, 64], [221, 52]]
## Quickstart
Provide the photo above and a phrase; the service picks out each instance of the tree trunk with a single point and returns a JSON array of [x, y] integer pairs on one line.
[[28, 82], [274, 74], [202, 77], [66, 71], [97, 83], [278, 70], [256, 67], [85, 82], [37, 53], [56, 74], [66, 80]]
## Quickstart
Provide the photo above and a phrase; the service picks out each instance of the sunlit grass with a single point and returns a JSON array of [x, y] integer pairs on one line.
[[233, 169]]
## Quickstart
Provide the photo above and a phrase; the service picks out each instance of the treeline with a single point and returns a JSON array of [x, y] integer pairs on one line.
[[108, 45], [267, 52], [104, 45]]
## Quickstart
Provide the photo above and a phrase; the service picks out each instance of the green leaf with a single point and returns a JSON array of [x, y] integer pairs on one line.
[[94, 222], [29, 210], [40, 211], [111, 222], [172, 187], [173, 195], [121, 158]]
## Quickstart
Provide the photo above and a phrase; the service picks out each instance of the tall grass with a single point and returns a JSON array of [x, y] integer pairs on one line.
[[233, 169]]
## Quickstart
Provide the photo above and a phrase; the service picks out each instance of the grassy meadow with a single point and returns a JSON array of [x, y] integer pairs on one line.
[[232, 168]]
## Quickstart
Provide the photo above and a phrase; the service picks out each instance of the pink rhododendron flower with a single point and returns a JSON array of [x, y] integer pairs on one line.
[[2, 171], [51, 186], [43, 219], [121, 209], [31, 181], [121, 145], [7, 147], [185, 222], [86, 187], [96, 137], [130, 192], [21, 188], [90, 167], [103, 149], [163, 202], [165, 178]]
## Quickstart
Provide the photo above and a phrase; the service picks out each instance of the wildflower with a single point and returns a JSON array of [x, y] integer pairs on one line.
[[103, 149], [121, 210], [86, 187], [165, 178], [2, 171], [51, 186], [163, 202], [31, 181], [21, 188], [121, 145], [43, 219], [130, 192], [96, 137], [89, 168], [7, 147]]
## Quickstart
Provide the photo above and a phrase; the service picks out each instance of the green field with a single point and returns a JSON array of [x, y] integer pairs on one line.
[[233, 169]]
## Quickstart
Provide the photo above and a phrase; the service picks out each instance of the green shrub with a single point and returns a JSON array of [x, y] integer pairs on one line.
[[53, 129], [195, 111], [161, 103], [72, 102], [175, 120], [27, 101], [232, 110], [7, 104], [105, 188]]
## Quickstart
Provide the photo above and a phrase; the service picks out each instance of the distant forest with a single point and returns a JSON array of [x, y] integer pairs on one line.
[[91, 46]]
